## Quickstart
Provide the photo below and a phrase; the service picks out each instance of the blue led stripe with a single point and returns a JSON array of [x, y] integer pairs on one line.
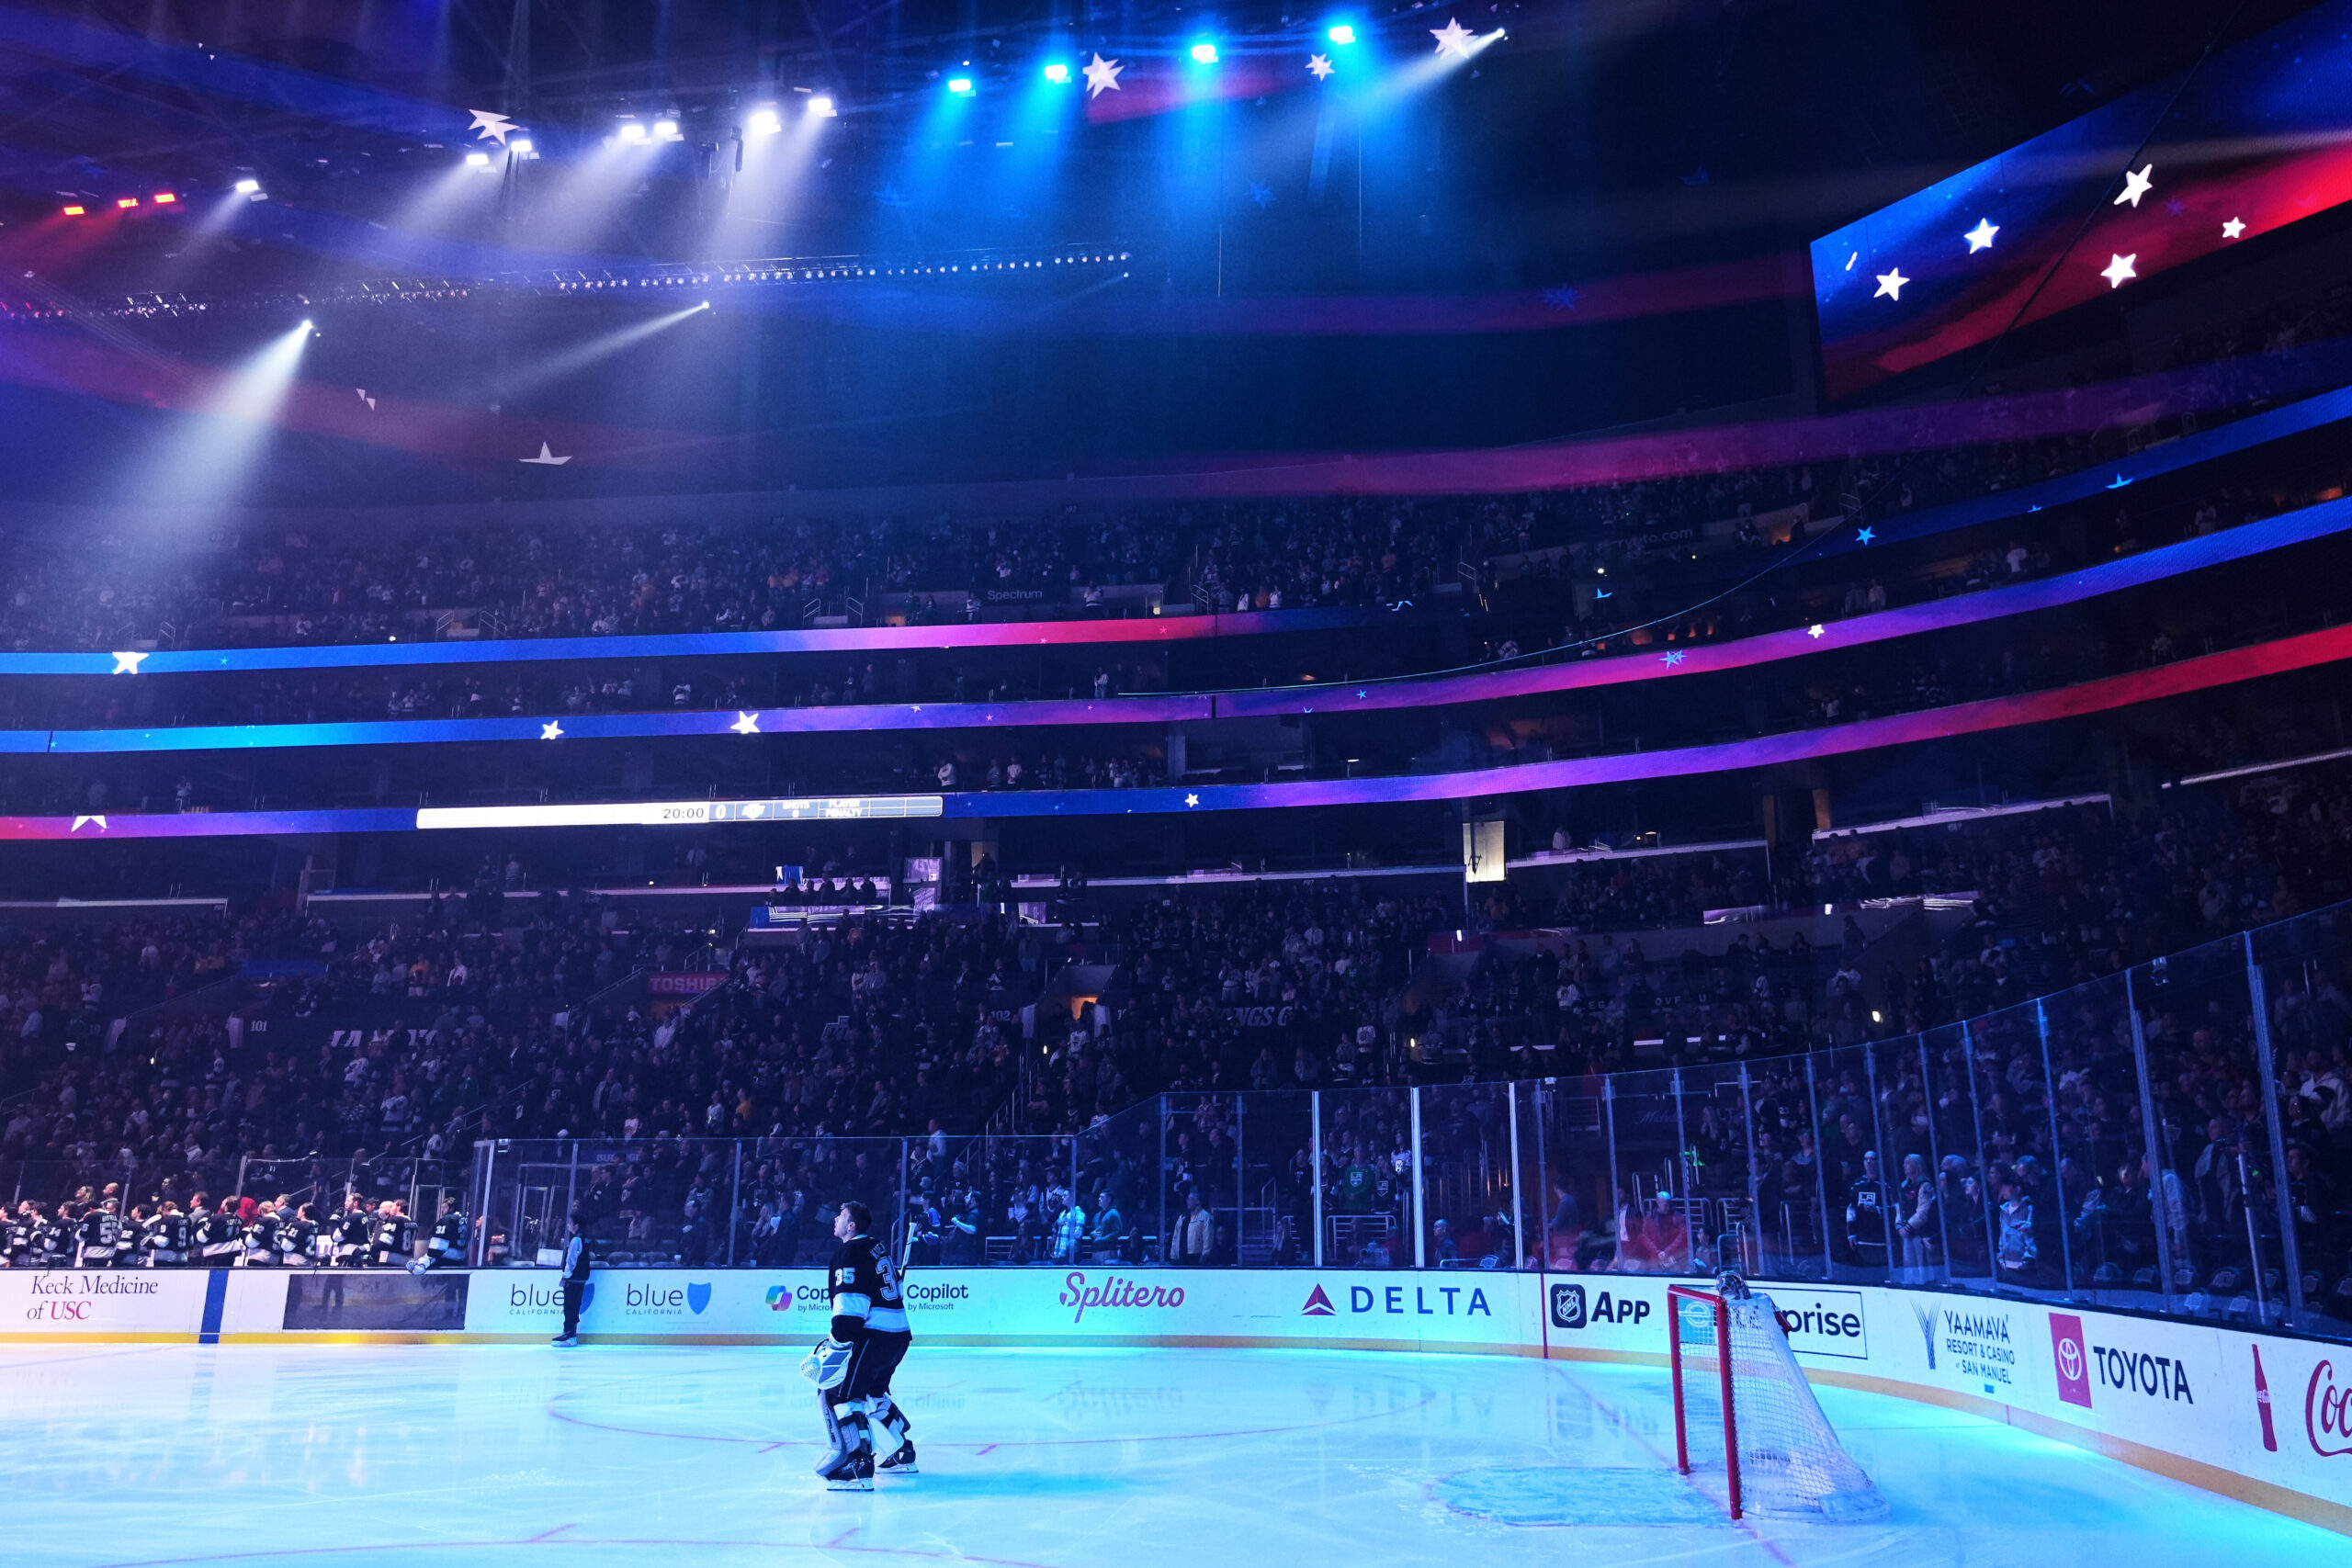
[[2248, 540], [2208, 672], [686, 645], [2255, 430], [840, 719]]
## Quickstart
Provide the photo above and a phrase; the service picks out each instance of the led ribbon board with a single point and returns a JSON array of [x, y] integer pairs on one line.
[[2308, 651], [684, 813], [2258, 137]]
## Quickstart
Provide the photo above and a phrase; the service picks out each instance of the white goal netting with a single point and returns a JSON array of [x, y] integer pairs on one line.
[[1790, 1459]]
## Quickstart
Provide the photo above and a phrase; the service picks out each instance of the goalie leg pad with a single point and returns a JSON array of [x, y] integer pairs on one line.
[[836, 1440]]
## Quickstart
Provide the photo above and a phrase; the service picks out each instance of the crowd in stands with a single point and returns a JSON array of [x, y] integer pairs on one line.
[[280, 586], [723, 1130]]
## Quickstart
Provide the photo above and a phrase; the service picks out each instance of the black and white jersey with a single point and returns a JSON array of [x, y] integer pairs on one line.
[[99, 1232], [168, 1236], [866, 1287], [395, 1237], [298, 1239], [448, 1242]]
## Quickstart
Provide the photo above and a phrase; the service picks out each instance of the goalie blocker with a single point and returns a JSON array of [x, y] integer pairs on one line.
[[1742, 1404]]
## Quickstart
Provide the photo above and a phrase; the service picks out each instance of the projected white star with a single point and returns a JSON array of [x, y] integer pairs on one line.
[[551, 730], [1981, 237], [1889, 285], [1102, 76], [2119, 268], [2135, 185], [127, 663], [745, 723], [1814, 630], [79, 822], [1453, 39], [547, 458], [1319, 66], [1191, 800], [489, 126], [2234, 228]]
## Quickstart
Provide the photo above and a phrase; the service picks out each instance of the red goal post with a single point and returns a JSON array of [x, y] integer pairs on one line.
[[1674, 1296], [1733, 1368]]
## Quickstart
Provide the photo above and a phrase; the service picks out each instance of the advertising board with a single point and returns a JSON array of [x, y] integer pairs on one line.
[[114, 1304], [2265, 1417]]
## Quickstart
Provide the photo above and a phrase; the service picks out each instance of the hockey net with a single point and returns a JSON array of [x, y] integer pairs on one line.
[[1742, 1406]]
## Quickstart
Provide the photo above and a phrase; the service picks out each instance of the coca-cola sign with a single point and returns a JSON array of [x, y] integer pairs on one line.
[[2327, 1413]]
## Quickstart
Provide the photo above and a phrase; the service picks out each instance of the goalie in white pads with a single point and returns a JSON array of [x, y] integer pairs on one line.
[[851, 1370]]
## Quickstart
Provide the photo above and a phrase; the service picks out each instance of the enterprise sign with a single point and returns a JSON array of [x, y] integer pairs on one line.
[[684, 813]]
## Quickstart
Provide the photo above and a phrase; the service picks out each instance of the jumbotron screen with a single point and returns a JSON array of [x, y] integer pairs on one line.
[[2257, 137]]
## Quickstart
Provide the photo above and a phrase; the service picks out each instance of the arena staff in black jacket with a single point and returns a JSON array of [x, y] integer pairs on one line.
[[870, 1317], [576, 1265]]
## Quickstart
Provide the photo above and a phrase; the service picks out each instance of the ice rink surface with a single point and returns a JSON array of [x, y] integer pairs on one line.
[[410, 1456]]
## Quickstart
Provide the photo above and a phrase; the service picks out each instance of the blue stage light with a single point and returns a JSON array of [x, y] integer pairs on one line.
[[1342, 34], [1205, 54], [1057, 73], [960, 86]]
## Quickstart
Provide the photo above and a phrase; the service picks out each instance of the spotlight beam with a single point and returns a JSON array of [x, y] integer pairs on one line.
[[569, 361], [207, 461]]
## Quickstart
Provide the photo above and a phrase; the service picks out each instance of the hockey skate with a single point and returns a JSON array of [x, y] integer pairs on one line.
[[901, 1461], [854, 1473]]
